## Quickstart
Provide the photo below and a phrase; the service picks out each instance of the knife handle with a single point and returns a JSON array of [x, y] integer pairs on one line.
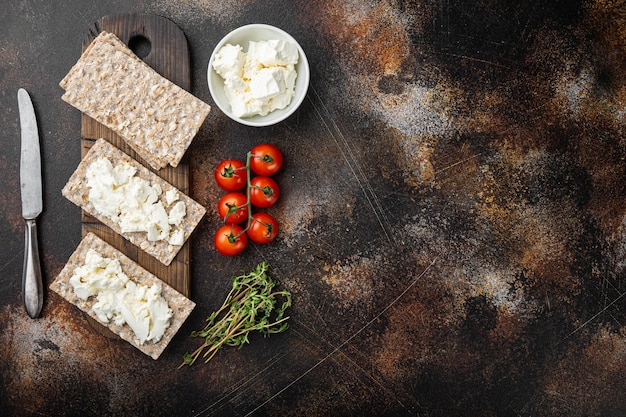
[[32, 286]]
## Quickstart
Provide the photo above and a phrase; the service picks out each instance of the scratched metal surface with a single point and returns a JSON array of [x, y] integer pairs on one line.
[[453, 216]]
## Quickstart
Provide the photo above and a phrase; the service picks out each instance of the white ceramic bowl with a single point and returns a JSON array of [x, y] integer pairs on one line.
[[241, 36]]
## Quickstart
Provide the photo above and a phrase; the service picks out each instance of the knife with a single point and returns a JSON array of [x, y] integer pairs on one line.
[[32, 204]]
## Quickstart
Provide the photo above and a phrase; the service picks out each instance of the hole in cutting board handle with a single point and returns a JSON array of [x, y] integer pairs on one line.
[[140, 45]]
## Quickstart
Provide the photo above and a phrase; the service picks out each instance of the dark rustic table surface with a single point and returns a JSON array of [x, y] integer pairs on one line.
[[452, 216]]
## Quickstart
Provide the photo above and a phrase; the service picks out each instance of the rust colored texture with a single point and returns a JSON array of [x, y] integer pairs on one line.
[[452, 216]]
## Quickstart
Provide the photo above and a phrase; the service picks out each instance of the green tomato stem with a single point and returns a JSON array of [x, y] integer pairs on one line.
[[248, 204]]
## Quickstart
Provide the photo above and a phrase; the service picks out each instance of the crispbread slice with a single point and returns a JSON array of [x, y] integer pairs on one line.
[[76, 191], [157, 118], [181, 306]]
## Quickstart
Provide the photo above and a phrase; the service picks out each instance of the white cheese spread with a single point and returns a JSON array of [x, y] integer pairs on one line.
[[258, 81], [133, 203], [121, 300]]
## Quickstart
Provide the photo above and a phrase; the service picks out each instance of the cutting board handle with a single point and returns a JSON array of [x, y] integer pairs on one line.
[[140, 45], [168, 49]]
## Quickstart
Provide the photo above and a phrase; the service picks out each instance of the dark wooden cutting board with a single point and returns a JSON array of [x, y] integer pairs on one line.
[[163, 46]]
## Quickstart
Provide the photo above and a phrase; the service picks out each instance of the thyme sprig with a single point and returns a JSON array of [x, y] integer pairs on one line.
[[250, 305]]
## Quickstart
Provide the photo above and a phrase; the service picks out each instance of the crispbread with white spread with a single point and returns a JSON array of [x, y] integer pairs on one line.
[[180, 305], [157, 118], [77, 191]]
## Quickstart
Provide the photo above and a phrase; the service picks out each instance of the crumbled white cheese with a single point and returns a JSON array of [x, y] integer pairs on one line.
[[177, 214], [171, 196], [270, 53], [229, 60], [132, 202], [267, 83], [261, 80], [177, 238], [121, 300]]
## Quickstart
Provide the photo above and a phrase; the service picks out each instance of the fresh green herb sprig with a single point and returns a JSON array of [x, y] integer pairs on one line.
[[250, 305]]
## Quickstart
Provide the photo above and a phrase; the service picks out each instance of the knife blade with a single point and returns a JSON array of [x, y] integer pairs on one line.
[[32, 204]]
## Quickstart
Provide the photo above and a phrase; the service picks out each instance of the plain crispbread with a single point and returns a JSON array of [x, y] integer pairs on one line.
[[181, 306], [77, 191], [157, 118]]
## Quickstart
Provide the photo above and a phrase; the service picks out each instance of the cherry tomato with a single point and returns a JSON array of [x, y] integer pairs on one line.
[[229, 239], [232, 207], [263, 228], [266, 159], [264, 191], [230, 174]]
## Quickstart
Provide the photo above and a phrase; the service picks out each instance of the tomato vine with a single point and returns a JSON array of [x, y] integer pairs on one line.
[[261, 191]]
